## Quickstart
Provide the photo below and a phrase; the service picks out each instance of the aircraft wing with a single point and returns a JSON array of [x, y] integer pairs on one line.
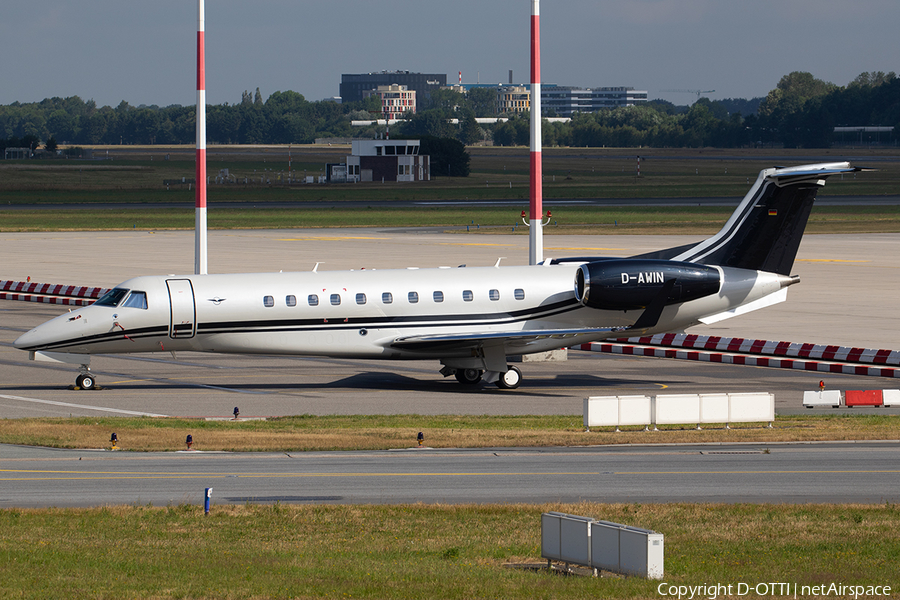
[[512, 339]]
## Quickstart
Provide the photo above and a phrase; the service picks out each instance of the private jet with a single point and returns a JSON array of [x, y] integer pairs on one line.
[[470, 319]]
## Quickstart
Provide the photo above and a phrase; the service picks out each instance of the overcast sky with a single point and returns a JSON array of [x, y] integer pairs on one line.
[[145, 52]]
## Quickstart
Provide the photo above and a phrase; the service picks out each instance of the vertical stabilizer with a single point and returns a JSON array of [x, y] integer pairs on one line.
[[764, 231]]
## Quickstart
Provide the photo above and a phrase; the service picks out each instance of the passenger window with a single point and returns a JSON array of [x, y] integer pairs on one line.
[[136, 300], [268, 301], [494, 295], [290, 300], [387, 298], [335, 299], [520, 294], [413, 297], [313, 300], [360, 298], [439, 296], [468, 296]]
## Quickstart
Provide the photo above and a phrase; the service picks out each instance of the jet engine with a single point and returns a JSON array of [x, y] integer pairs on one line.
[[628, 284]]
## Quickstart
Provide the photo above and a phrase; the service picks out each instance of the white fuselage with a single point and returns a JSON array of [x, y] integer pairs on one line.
[[366, 313]]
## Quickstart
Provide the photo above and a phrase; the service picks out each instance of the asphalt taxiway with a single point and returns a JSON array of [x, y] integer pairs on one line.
[[774, 473], [847, 296]]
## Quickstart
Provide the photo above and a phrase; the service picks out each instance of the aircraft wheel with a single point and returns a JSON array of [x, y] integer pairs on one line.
[[468, 376], [510, 380], [86, 382]]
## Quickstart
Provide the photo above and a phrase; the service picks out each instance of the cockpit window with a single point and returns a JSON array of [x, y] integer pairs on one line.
[[112, 297], [136, 300]]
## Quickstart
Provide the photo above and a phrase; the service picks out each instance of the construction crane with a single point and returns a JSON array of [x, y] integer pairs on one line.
[[698, 92]]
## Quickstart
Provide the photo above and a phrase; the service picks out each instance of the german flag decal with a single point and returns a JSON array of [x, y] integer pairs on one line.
[[773, 212]]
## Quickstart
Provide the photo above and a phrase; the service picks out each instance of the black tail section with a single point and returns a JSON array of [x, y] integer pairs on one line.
[[764, 232]]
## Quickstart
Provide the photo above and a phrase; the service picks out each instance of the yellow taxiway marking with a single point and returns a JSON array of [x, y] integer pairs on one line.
[[329, 239], [113, 475], [476, 244], [591, 249], [760, 472], [831, 260]]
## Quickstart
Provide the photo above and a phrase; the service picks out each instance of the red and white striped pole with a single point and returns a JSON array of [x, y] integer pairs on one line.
[[200, 211], [535, 233]]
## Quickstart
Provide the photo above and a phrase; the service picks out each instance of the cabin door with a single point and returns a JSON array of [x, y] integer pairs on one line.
[[183, 311]]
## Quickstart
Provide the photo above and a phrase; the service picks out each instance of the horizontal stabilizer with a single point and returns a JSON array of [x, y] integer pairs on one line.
[[770, 300]]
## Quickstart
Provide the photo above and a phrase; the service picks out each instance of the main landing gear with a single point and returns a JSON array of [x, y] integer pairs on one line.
[[509, 380], [468, 376]]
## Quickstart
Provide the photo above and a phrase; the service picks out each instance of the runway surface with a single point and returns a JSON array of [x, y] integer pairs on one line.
[[847, 296], [862, 472]]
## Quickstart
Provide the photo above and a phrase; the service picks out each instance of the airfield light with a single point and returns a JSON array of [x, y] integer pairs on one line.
[[420, 438], [207, 494], [237, 413], [189, 441], [114, 440]]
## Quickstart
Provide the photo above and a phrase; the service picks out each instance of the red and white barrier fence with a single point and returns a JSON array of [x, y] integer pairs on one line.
[[49, 293], [851, 398], [759, 353]]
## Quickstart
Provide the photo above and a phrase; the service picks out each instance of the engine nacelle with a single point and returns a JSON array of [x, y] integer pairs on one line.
[[629, 284]]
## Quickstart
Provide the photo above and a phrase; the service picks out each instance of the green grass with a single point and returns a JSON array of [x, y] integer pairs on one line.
[[497, 173], [380, 432], [565, 220], [422, 551]]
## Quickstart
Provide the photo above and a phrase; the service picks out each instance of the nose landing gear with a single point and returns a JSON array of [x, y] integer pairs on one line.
[[86, 380]]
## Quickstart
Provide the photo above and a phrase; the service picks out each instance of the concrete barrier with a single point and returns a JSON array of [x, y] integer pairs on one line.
[[830, 398], [891, 397], [863, 398]]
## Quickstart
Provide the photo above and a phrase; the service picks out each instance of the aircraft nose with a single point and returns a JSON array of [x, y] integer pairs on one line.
[[31, 340], [47, 334]]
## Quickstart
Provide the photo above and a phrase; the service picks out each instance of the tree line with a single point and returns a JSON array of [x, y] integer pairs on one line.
[[801, 111]]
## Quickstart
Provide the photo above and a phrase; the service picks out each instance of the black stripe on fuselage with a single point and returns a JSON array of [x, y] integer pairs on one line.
[[135, 334], [393, 322], [330, 324]]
